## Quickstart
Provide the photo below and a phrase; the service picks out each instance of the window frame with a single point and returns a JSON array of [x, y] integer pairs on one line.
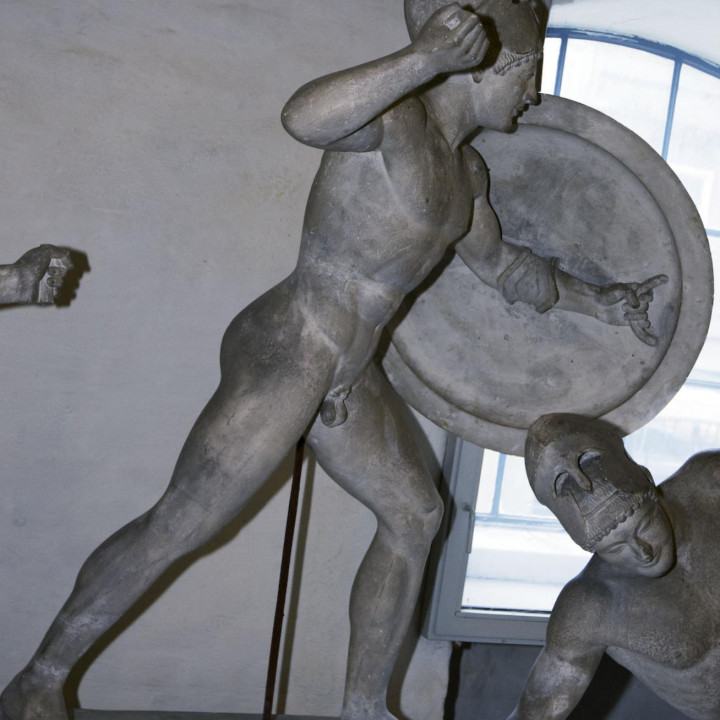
[[679, 57], [444, 617]]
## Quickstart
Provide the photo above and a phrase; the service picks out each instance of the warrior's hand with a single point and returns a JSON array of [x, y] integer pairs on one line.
[[628, 303], [453, 40], [44, 270]]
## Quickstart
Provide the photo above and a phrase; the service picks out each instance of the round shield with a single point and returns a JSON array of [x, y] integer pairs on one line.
[[572, 184]]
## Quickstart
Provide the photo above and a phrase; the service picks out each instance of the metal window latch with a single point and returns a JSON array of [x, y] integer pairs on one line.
[[470, 510]]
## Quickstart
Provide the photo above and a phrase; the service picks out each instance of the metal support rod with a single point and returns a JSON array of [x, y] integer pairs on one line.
[[283, 581]]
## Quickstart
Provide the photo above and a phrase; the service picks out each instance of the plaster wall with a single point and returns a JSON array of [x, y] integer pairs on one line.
[[146, 133]]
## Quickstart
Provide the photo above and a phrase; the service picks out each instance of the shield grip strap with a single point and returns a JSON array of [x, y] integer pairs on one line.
[[530, 279]]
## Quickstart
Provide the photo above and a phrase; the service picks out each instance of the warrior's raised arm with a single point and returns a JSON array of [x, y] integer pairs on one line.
[[337, 106]]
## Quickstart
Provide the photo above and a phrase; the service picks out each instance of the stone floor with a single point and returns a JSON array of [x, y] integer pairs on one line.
[[155, 715]]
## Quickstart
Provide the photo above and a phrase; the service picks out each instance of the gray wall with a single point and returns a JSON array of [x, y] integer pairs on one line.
[[146, 133]]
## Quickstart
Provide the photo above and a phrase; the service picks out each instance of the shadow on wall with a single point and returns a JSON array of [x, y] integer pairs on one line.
[[68, 292], [488, 680], [293, 592]]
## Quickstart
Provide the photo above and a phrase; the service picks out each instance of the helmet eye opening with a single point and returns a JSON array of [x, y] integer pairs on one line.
[[564, 485], [590, 460]]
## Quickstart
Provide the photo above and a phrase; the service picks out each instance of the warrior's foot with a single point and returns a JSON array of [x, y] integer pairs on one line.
[[362, 709], [33, 696]]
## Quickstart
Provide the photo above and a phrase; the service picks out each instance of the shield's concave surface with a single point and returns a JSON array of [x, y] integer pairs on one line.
[[573, 184]]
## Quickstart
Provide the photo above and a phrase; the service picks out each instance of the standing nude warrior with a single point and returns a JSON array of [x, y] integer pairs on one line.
[[397, 186], [649, 597]]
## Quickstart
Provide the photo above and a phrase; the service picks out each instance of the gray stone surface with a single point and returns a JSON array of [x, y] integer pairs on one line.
[[155, 715], [649, 595], [491, 678], [572, 184]]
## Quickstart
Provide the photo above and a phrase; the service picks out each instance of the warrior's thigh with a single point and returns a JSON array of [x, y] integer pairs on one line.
[[379, 454], [240, 437]]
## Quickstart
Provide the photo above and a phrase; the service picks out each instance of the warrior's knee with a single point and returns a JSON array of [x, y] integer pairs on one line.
[[415, 528]]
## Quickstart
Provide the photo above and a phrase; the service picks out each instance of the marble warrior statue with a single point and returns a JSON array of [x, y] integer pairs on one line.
[[650, 595], [397, 186]]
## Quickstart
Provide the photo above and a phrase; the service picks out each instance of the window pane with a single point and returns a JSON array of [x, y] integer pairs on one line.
[[519, 567], [690, 423], [707, 367], [513, 498], [629, 85], [551, 53], [521, 557], [694, 151]]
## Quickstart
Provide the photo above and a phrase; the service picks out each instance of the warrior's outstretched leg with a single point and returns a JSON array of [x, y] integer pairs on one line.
[[263, 405], [380, 456]]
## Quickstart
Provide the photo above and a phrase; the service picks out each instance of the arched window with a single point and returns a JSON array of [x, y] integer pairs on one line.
[[506, 557]]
